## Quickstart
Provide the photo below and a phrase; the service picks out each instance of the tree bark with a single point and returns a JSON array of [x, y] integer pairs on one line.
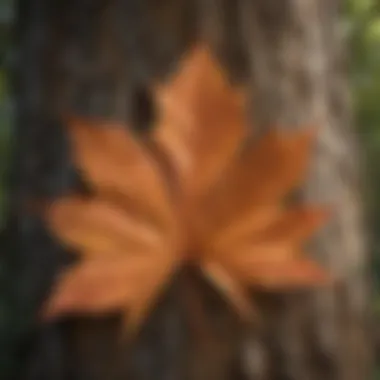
[[88, 58], [98, 58], [298, 78]]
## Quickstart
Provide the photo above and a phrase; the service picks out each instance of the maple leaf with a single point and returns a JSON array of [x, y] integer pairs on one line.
[[197, 192]]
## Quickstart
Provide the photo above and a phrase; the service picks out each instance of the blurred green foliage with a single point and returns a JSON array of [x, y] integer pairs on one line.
[[363, 26]]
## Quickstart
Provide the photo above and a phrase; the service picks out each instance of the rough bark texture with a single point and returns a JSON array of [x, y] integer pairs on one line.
[[98, 57], [298, 78]]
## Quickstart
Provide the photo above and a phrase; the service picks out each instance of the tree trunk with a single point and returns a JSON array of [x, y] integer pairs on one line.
[[97, 58], [80, 57], [298, 78]]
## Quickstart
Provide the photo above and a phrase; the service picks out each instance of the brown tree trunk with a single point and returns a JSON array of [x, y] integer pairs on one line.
[[298, 78], [98, 58]]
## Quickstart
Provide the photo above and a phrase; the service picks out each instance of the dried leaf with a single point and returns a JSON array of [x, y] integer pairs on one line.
[[261, 177], [95, 225], [98, 286], [283, 275], [201, 121], [219, 207], [290, 226], [116, 164]]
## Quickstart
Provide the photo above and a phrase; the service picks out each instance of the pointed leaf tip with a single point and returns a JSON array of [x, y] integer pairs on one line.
[[194, 107]]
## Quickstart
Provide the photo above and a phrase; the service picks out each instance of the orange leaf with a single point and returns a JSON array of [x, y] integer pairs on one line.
[[201, 121], [295, 225], [94, 225], [283, 275], [97, 286], [264, 174], [194, 193], [286, 227], [115, 163], [145, 299]]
